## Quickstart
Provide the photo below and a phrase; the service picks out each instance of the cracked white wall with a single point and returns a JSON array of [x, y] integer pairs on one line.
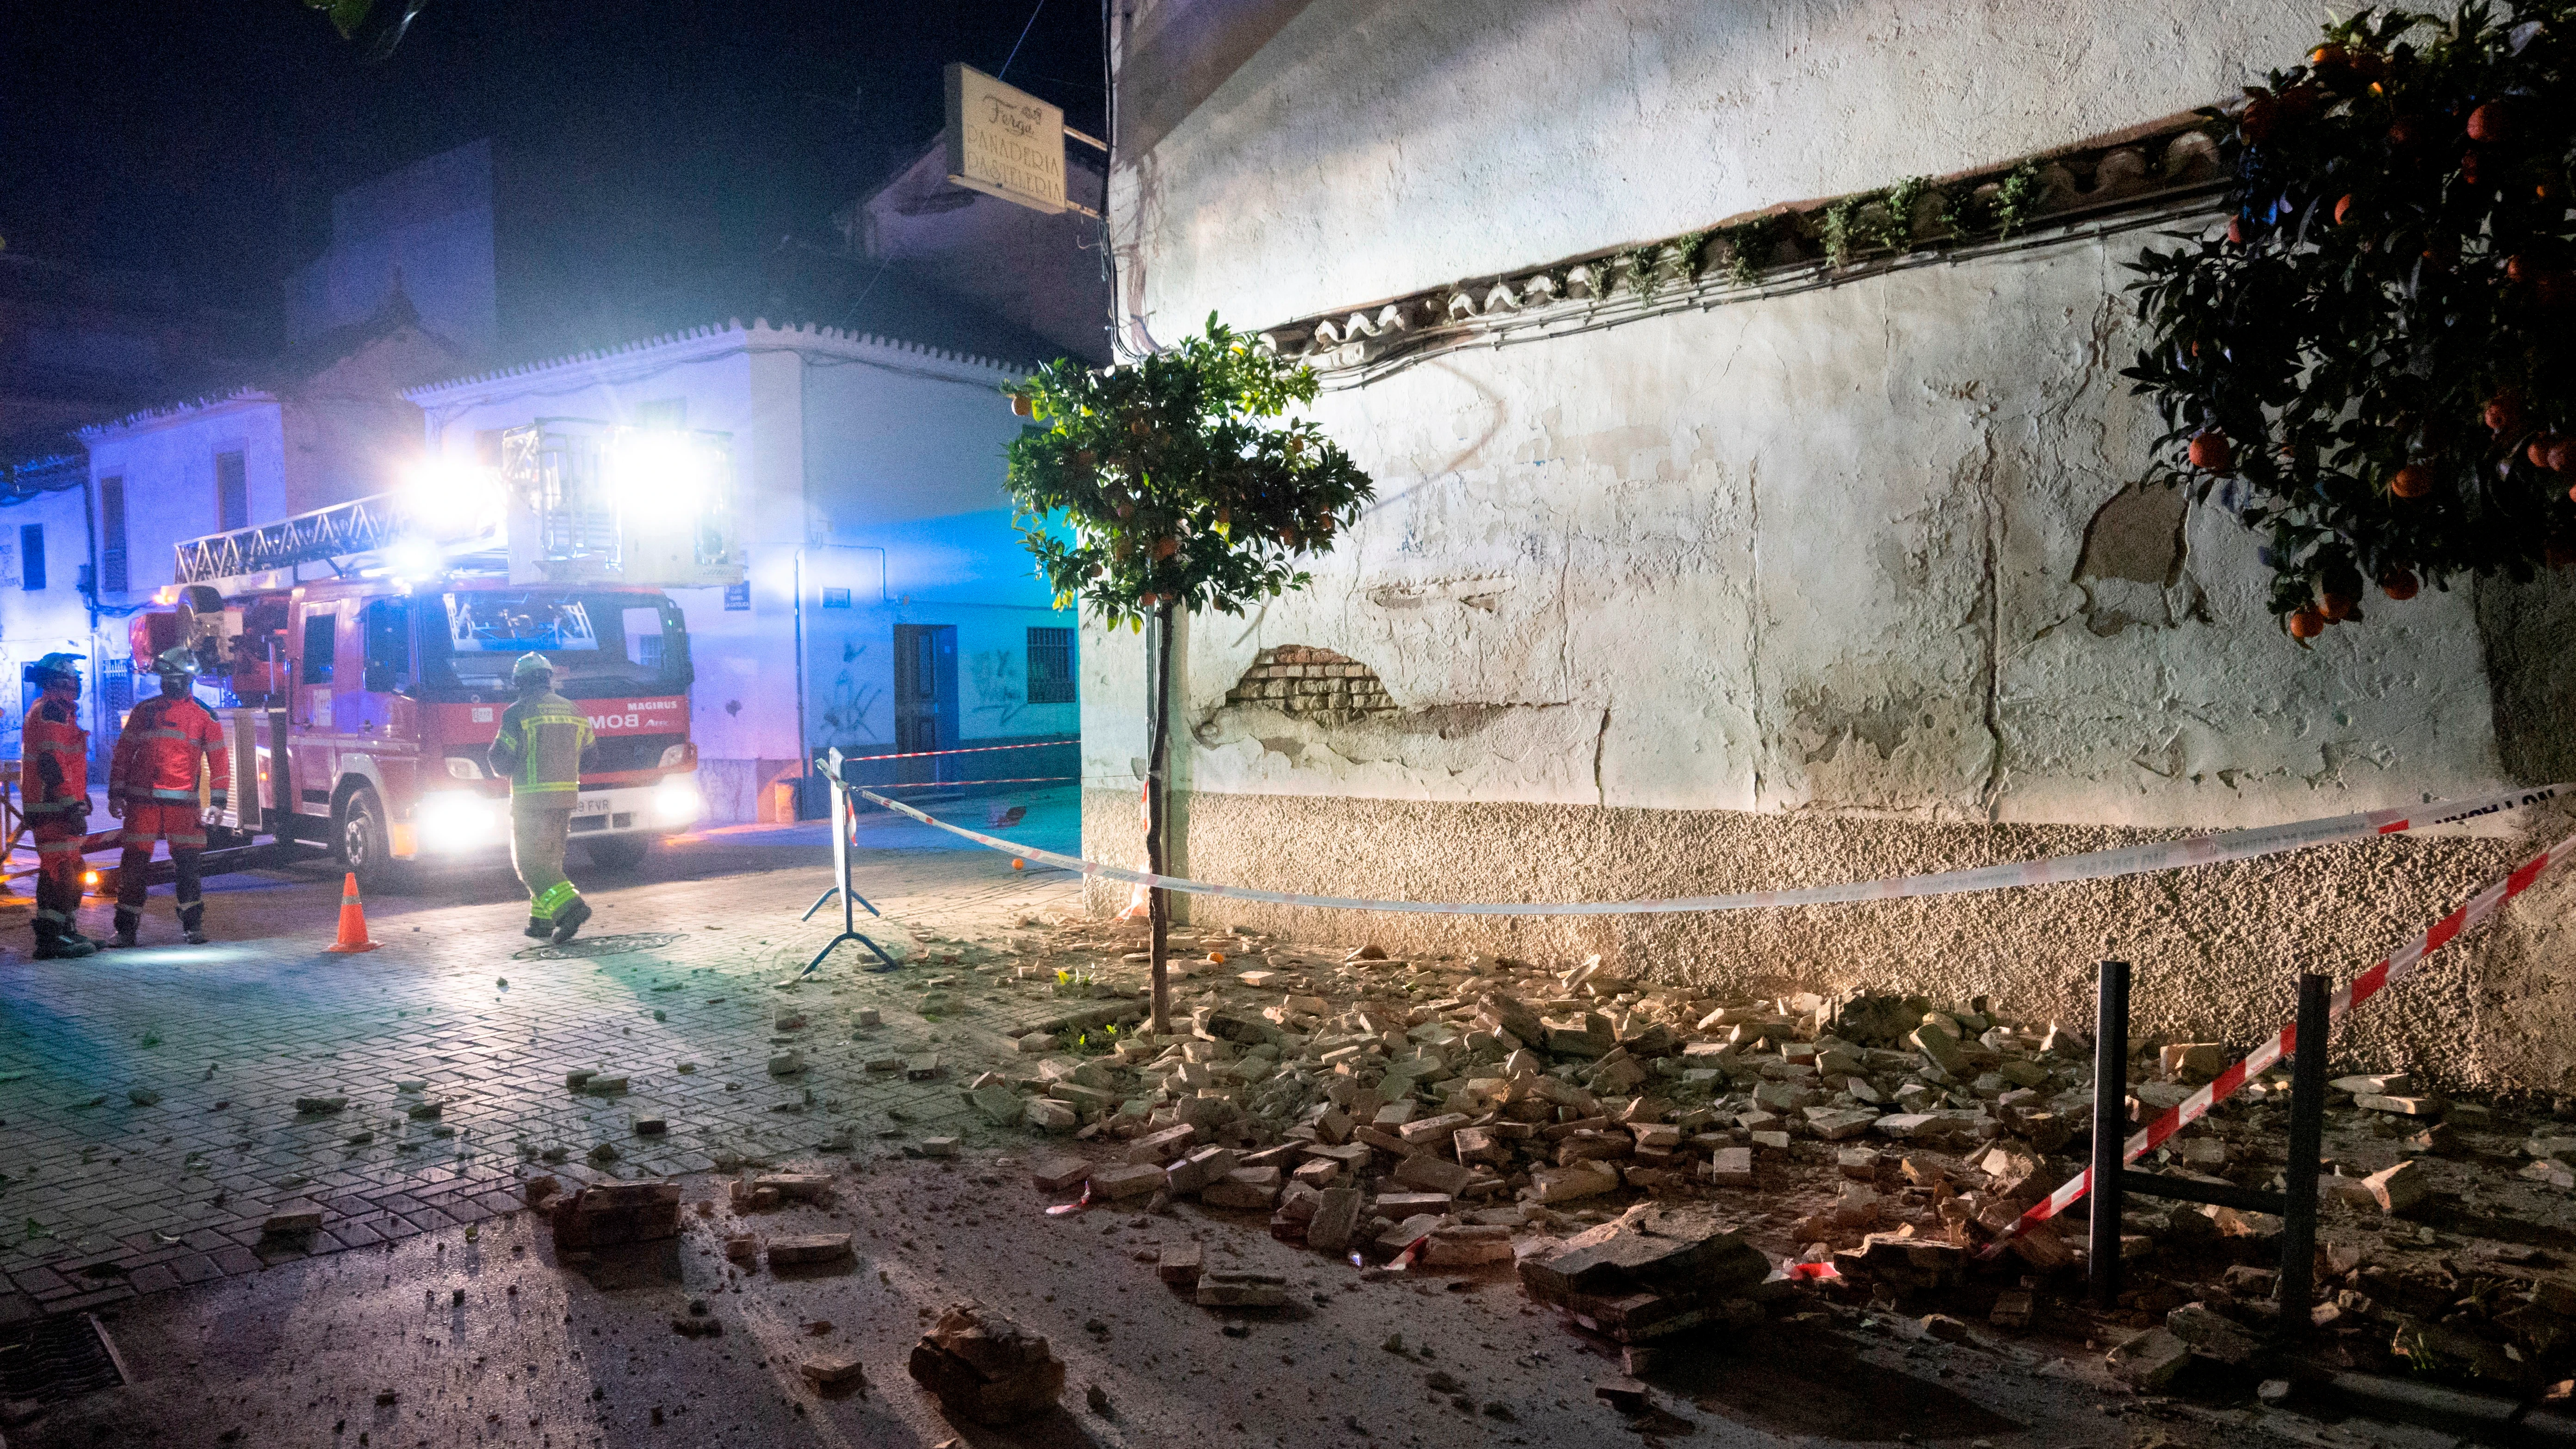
[[1368, 148], [1831, 586], [1828, 552]]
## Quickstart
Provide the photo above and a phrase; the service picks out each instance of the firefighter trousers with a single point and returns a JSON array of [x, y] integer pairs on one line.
[[130, 869], [58, 877], [540, 829]]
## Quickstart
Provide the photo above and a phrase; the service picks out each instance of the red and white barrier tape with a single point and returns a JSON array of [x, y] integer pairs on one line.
[[2391, 969], [968, 750], [2215, 849]]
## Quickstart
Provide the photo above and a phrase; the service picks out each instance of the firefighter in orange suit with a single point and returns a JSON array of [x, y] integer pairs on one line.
[[53, 780], [152, 786]]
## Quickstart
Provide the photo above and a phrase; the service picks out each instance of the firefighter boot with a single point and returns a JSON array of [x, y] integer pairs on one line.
[[539, 929], [54, 944], [192, 924], [569, 919], [127, 923]]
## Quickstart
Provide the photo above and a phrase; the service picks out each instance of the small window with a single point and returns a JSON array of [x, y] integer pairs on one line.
[[388, 644], [836, 598], [1051, 666], [111, 529], [643, 637], [116, 686], [321, 633], [31, 556], [232, 492]]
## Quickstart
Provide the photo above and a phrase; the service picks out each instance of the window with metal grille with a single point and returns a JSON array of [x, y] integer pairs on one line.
[[31, 556], [1051, 666], [111, 529], [232, 492]]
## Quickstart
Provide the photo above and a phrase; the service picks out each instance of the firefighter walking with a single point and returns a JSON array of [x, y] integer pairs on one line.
[[543, 744], [152, 786], [53, 781]]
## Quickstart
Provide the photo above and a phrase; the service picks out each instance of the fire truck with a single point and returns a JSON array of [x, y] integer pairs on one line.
[[359, 656]]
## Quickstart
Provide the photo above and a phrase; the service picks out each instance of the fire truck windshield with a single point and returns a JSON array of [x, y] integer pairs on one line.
[[601, 643]]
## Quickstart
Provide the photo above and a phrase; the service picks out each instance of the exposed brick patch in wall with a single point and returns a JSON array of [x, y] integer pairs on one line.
[[1301, 680]]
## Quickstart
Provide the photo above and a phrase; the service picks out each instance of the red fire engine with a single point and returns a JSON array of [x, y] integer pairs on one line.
[[358, 705]]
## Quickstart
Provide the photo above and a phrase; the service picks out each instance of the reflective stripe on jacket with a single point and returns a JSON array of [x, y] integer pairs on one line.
[[53, 775], [158, 754], [541, 746]]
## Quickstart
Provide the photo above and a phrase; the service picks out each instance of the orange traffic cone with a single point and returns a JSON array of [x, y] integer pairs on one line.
[[353, 920]]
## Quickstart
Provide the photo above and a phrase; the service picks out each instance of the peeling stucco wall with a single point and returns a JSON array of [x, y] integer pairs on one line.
[[1367, 148], [1829, 586]]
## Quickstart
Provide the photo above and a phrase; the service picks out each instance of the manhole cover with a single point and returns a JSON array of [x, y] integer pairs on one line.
[[57, 1359], [582, 947]]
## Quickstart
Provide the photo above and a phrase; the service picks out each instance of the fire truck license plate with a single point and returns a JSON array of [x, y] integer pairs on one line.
[[591, 805]]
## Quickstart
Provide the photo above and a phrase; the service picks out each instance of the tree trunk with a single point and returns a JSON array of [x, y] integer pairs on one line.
[[1158, 809]]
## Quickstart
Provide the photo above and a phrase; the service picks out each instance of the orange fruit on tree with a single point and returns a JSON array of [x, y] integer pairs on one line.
[[2503, 413], [2346, 210], [2211, 452], [2490, 122], [2261, 120], [2307, 624], [2412, 481], [2399, 584], [2337, 607]]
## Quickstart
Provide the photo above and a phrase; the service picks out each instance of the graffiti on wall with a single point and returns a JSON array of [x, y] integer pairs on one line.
[[850, 703], [995, 676]]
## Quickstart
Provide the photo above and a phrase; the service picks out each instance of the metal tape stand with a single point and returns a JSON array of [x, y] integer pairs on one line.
[[851, 900]]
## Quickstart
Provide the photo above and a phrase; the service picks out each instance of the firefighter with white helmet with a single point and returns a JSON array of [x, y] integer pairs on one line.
[[543, 744], [169, 743]]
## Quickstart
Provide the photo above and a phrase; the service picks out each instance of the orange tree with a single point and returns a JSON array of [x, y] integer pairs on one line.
[[1175, 484], [2375, 366]]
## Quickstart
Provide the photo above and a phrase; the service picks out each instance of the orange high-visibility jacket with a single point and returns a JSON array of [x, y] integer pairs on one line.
[[53, 775], [156, 758]]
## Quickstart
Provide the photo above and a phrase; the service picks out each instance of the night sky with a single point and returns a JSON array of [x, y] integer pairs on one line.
[[701, 141]]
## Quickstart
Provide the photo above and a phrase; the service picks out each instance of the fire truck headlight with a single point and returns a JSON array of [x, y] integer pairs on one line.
[[458, 767], [453, 820], [674, 756], [676, 802]]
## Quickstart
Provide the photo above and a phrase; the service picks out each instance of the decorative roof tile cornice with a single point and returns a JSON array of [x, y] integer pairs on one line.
[[145, 417], [728, 338], [2156, 174]]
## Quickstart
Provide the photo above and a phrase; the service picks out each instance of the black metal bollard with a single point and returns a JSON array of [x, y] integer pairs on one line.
[[2110, 1128]]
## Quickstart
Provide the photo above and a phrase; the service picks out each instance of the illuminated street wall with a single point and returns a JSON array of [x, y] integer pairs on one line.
[[869, 494], [1792, 589]]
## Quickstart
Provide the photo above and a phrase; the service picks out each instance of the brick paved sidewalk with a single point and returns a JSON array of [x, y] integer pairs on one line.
[[148, 1098]]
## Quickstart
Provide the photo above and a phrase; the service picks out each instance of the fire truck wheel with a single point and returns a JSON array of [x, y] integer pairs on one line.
[[618, 852], [362, 845]]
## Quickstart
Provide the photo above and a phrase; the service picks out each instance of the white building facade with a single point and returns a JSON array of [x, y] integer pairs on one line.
[[1836, 577], [888, 604]]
